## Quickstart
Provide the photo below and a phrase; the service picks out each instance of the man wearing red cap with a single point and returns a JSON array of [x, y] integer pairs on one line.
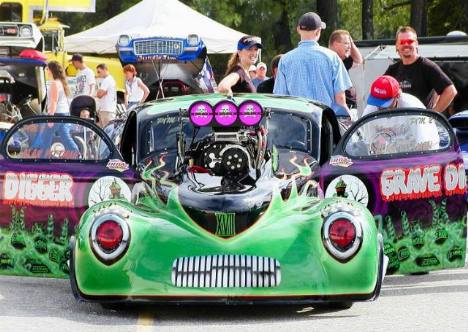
[[385, 93]]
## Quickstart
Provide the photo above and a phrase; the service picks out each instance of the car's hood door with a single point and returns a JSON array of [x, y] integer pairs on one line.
[[405, 166], [46, 183]]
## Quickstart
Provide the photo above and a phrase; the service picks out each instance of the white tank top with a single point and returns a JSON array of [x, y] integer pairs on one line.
[[62, 102], [135, 93]]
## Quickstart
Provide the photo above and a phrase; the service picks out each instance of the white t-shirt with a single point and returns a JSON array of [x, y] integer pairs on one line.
[[405, 100], [108, 102], [135, 93], [84, 79]]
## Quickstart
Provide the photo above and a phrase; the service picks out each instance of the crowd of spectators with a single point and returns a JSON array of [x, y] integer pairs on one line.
[[315, 72], [309, 70]]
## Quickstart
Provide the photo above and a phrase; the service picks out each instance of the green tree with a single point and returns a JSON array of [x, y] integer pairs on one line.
[[367, 22], [445, 16], [328, 11], [105, 10]]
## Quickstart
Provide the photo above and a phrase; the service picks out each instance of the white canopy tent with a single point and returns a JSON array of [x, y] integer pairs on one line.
[[151, 18]]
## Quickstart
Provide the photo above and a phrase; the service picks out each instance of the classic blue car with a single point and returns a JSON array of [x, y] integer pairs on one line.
[[169, 66]]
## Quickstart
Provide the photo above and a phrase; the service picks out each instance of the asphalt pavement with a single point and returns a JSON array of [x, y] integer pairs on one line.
[[437, 301]]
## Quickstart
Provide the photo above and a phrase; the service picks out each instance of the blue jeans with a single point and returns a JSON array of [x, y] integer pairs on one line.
[[61, 131]]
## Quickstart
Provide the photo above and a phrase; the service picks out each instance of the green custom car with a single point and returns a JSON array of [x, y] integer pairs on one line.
[[227, 209]]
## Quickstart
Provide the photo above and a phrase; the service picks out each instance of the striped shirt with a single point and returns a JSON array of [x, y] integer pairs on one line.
[[312, 71]]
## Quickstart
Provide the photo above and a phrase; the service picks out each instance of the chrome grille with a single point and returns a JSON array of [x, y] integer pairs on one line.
[[226, 271], [155, 46]]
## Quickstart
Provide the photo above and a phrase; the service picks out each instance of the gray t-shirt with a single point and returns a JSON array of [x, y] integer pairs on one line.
[[84, 80]]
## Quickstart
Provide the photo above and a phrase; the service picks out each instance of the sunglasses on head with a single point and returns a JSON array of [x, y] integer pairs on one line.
[[250, 40], [407, 41]]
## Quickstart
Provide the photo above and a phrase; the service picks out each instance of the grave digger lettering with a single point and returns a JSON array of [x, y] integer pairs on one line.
[[40, 189], [422, 182]]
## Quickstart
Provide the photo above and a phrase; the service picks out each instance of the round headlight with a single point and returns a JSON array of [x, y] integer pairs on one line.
[[124, 40], [342, 235], [26, 31], [110, 237]]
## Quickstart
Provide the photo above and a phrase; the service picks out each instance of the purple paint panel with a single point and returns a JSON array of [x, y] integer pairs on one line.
[[64, 195], [418, 203]]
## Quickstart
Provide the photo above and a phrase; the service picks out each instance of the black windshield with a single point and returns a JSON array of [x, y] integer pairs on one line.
[[286, 130]]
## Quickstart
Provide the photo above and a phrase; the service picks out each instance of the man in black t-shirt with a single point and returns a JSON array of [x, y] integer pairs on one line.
[[268, 85], [341, 42], [419, 76]]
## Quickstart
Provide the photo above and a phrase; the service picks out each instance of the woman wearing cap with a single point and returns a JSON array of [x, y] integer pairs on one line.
[[136, 91], [237, 77]]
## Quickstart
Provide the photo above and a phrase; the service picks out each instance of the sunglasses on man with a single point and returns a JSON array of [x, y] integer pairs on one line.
[[407, 41]]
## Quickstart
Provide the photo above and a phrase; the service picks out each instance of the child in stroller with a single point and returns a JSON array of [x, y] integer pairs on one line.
[[84, 107]]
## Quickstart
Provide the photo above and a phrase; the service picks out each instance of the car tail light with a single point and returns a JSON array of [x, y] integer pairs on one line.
[[110, 236], [342, 235]]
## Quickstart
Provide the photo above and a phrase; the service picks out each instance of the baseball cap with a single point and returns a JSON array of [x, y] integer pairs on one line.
[[311, 21], [261, 64], [383, 90], [248, 42], [77, 57], [252, 68]]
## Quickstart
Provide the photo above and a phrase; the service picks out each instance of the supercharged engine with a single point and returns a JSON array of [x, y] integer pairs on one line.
[[236, 148]]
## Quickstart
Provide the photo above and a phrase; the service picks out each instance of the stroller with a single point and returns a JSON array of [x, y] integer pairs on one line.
[[83, 107]]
